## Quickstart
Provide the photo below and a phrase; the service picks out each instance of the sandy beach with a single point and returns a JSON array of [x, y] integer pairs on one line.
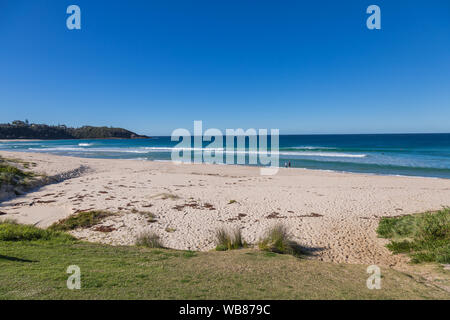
[[333, 214]]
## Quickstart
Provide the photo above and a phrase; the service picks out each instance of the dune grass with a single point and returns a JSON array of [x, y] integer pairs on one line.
[[424, 237], [11, 175], [278, 240], [84, 219], [148, 239], [226, 240]]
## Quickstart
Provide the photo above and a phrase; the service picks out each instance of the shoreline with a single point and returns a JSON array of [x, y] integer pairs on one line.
[[223, 164], [334, 214]]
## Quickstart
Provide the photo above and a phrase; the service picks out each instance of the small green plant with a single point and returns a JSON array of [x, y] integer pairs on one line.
[[84, 219], [229, 241], [434, 226], [278, 240], [170, 230], [232, 201], [189, 254], [12, 231], [148, 239], [150, 216], [425, 237], [11, 175]]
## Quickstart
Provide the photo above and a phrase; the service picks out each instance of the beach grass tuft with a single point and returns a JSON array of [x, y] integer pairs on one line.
[[85, 219], [278, 240], [229, 240], [424, 237], [148, 239]]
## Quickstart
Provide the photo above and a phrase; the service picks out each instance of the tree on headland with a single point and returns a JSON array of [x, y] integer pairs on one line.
[[23, 130]]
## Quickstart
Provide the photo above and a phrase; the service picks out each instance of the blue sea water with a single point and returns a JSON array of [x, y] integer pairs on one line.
[[391, 154]]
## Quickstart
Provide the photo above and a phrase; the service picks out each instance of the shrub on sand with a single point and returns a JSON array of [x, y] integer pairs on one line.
[[148, 239], [10, 175], [278, 240], [84, 219], [425, 237], [229, 241]]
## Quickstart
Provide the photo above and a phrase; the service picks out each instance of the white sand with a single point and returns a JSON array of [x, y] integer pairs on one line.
[[335, 214]]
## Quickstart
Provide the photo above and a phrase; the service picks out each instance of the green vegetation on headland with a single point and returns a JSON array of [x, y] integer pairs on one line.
[[424, 237], [24, 130], [33, 264]]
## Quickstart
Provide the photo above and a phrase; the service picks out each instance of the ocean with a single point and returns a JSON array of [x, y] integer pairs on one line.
[[425, 155]]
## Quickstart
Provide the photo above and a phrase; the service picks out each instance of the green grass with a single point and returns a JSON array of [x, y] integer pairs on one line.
[[229, 240], [11, 231], [84, 219], [424, 237], [37, 270], [33, 264]]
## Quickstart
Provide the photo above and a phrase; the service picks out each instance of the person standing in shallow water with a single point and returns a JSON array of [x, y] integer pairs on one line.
[[289, 164]]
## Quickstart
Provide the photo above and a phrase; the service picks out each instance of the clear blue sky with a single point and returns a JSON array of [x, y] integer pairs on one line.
[[300, 66]]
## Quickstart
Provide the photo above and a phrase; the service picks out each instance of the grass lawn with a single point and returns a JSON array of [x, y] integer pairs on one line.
[[36, 269]]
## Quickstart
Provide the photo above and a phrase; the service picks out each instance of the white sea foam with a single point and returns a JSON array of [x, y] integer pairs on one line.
[[143, 150], [312, 148], [81, 149], [324, 154]]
